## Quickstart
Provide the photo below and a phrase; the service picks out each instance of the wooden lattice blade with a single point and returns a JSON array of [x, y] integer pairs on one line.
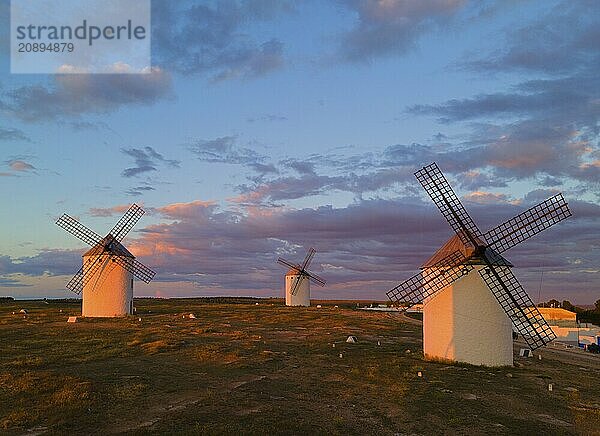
[[126, 223], [78, 230], [420, 286], [440, 191], [525, 317], [308, 258], [528, 223]]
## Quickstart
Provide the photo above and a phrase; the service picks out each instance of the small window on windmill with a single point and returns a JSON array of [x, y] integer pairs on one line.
[[132, 283]]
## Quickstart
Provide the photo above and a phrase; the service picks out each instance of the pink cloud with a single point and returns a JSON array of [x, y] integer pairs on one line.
[[20, 165], [109, 211], [482, 197], [187, 210], [363, 249]]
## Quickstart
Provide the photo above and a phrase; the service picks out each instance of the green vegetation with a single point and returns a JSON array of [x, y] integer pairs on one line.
[[265, 369]]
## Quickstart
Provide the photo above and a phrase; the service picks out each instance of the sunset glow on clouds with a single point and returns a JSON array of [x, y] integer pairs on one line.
[[263, 130]]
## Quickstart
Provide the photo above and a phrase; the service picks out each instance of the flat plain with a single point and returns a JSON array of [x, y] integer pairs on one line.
[[243, 368]]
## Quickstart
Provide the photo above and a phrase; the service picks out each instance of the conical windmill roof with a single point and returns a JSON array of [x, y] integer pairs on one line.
[[293, 272], [456, 244], [116, 248]]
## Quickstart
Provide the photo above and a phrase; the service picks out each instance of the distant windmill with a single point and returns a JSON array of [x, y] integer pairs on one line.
[[297, 281], [470, 296], [106, 276]]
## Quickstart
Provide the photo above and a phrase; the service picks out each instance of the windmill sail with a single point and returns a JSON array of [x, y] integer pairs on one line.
[[87, 272], [420, 286], [526, 319], [528, 223], [126, 223], [78, 230], [440, 191], [297, 280]]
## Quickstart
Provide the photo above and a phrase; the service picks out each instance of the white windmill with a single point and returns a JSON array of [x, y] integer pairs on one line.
[[297, 281], [106, 276], [470, 296]]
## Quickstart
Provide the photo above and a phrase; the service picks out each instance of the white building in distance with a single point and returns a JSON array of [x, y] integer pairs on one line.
[[566, 328]]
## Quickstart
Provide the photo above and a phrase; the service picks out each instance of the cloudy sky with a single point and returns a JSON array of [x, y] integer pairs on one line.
[[268, 126]]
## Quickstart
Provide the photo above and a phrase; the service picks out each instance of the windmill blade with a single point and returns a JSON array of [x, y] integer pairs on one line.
[[78, 230], [319, 280], [296, 284], [89, 270], [527, 224], [515, 302], [418, 287], [138, 269], [126, 223], [76, 283], [308, 258], [440, 191], [409, 292], [85, 274], [284, 262]]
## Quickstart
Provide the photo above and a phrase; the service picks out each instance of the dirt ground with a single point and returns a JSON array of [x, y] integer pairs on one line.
[[242, 368]]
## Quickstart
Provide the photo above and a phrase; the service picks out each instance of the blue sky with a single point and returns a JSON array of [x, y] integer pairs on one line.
[[267, 127]]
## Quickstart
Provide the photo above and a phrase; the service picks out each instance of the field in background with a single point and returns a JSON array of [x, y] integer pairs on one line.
[[245, 368]]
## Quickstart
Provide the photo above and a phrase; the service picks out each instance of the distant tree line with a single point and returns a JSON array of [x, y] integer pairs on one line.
[[583, 315], [6, 299]]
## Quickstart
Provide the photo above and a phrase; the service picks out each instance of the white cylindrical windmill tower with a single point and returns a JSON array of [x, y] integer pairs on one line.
[[106, 277], [297, 281], [297, 289], [464, 322], [108, 287]]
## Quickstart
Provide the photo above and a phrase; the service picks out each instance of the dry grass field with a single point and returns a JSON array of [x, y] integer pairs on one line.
[[241, 368]]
